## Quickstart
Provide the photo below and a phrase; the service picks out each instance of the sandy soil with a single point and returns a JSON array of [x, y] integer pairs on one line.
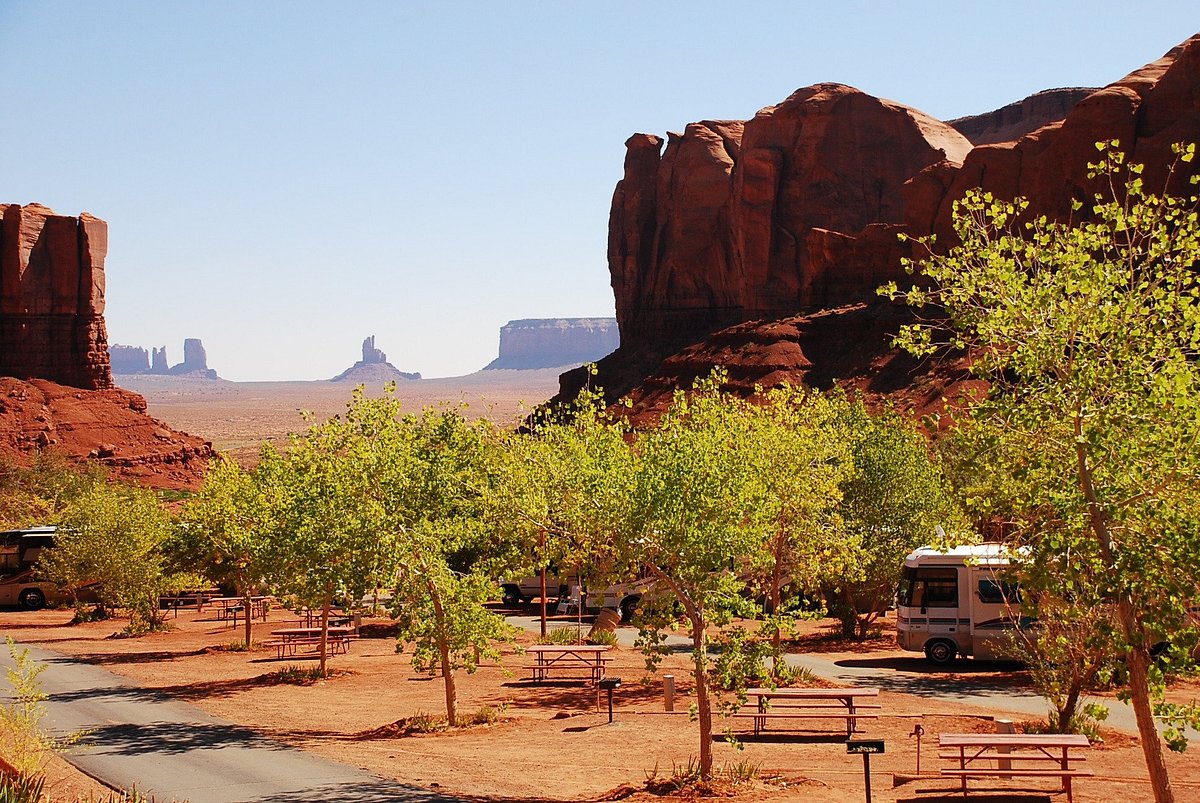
[[552, 742], [238, 416]]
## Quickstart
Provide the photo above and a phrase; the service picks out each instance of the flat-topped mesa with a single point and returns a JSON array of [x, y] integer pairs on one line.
[[553, 342], [794, 209], [52, 296], [1010, 123]]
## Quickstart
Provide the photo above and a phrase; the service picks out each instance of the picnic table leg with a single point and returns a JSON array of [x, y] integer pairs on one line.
[[962, 765]]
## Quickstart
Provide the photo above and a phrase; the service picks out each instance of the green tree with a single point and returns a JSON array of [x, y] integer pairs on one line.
[[112, 537], [693, 523], [798, 447], [37, 493], [894, 497], [324, 543], [1089, 333], [223, 533], [418, 484]]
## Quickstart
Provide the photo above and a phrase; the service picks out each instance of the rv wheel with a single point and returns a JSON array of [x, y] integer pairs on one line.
[[31, 599], [941, 652]]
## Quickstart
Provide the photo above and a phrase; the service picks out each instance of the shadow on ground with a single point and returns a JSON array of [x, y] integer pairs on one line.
[[172, 737]]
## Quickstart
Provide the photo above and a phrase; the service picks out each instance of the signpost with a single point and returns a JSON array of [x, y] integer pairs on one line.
[[866, 747]]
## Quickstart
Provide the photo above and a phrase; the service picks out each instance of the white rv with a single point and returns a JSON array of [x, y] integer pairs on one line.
[[957, 602]]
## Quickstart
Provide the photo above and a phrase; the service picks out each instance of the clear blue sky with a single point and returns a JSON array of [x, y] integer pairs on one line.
[[282, 179]]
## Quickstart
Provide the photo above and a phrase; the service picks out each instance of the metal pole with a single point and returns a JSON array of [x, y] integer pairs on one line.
[[542, 557], [867, 773]]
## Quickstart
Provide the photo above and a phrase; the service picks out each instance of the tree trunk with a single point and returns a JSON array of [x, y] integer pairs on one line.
[[1137, 653], [246, 605], [324, 631], [703, 705], [443, 642], [774, 596], [1138, 661]]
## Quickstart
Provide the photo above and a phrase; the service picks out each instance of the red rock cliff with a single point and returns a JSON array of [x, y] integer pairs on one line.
[[760, 219], [52, 297], [797, 211]]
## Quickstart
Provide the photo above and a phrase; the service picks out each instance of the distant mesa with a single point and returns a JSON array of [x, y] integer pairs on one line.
[[554, 342], [1011, 122], [136, 360], [373, 367]]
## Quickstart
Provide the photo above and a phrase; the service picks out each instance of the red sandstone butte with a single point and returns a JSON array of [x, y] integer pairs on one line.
[[52, 296]]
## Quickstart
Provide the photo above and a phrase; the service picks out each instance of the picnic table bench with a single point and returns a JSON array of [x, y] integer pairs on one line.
[[1005, 755], [568, 658], [774, 705], [290, 639]]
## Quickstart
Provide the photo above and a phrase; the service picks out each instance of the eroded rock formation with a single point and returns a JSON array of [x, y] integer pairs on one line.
[[52, 296], [551, 342], [763, 229], [129, 359], [373, 368], [738, 221]]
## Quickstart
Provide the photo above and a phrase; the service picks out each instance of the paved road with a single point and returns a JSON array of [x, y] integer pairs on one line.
[[176, 751], [910, 676]]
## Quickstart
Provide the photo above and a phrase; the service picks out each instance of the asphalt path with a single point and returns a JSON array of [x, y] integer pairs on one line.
[[973, 684], [175, 751]]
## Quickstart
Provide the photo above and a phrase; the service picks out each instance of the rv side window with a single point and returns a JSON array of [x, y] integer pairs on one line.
[[998, 592], [936, 588]]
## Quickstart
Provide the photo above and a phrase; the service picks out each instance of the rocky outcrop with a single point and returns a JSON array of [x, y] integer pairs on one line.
[[107, 426], [737, 221], [1011, 122], [52, 296], [373, 368], [552, 342], [195, 361], [747, 229], [129, 359]]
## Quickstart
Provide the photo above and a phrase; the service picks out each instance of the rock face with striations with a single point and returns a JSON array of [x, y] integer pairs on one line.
[[52, 296], [552, 342], [783, 219], [796, 208], [1011, 122]]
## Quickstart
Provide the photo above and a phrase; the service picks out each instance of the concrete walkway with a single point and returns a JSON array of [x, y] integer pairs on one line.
[[175, 751]]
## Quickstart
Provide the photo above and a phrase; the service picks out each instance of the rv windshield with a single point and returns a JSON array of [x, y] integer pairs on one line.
[[928, 586]]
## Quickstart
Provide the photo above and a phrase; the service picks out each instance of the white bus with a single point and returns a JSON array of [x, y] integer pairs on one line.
[[19, 550], [957, 602]]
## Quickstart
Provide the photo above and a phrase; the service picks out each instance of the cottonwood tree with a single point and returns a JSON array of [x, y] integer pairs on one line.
[[799, 449], [894, 497], [224, 532], [1089, 333], [561, 491], [420, 482], [324, 543], [693, 522], [112, 537]]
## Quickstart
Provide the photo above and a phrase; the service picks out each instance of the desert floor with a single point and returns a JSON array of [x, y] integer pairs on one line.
[[552, 741], [238, 416]]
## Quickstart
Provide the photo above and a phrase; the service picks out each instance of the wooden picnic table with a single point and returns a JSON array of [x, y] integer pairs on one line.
[[289, 638], [980, 755], [764, 705], [589, 658]]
